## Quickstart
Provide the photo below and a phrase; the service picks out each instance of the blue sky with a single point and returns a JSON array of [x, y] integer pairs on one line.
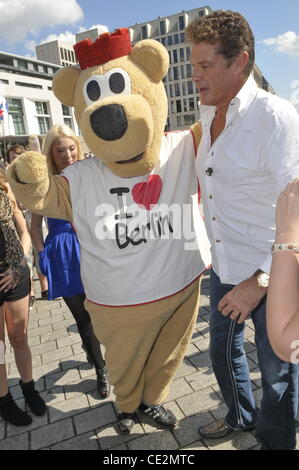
[[25, 23]]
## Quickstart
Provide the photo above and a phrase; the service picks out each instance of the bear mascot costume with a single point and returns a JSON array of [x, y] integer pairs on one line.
[[135, 209]]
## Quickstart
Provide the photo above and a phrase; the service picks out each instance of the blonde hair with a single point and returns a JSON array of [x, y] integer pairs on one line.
[[54, 133], [3, 180]]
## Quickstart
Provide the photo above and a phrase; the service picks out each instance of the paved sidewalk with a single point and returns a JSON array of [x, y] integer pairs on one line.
[[77, 419]]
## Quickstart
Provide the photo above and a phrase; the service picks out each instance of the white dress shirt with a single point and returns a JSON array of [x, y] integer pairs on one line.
[[252, 160]]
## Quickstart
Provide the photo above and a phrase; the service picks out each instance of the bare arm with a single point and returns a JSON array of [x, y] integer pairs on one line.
[[283, 292], [36, 230]]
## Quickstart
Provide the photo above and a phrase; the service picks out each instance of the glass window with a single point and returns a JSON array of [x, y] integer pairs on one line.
[[182, 22], [182, 54], [176, 38], [175, 73], [66, 110], [190, 88], [169, 40], [18, 124], [41, 107], [182, 37], [183, 75], [61, 53], [172, 106], [191, 104], [178, 106], [185, 105], [184, 86], [163, 41], [177, 90], [44, 124], [22, 64], [179, 120], [171, 91], [144, 32], [201, 13], [188, 52], [170, 75], [189, 70], [189, 119], [175, 56], [162, 27], [68, 122]]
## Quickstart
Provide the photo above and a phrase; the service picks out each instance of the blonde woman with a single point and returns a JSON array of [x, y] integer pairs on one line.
[[59, 254], [14, 307]]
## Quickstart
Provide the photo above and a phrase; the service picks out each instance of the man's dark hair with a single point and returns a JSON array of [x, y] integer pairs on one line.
[[230, 29]]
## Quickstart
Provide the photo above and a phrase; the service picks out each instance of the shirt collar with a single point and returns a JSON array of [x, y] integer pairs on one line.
[[241, 101]]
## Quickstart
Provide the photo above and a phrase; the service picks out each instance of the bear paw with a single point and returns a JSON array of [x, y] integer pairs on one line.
[[31, 167]]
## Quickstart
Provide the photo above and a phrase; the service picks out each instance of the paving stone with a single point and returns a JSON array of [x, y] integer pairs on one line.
[[191, 350], [68, 340], [53, 335], [162, 440], [201, 360], [76, 361], [43, 348], [109, 436], [47, 321], [2, 429], [58, 325], [186, 368], [84, 442], [235, 441], [187, 429], [33, 341], [67, 408], [15, 443], [46, 369], [53, 395], [199, 445], [94, 419], [37, 422], [178, 388], [121, 448], [51, 434], [62, 378], [41, 330], [79, 386], [58, 354], [198, 401], [201, 379], [94, 399], [202, 344], [32, 325], [86, 370]]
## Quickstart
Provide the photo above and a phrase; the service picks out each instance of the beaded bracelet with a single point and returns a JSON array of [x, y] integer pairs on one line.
[[285, 247]]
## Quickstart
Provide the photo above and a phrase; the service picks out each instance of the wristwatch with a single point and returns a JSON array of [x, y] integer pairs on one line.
[[262, 278]]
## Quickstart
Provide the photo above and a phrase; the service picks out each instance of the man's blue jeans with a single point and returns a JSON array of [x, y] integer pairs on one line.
[[275, 421]]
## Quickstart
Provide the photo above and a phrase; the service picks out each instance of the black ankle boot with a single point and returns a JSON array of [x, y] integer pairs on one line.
[[103, 385], [11, 413], [33, 399]]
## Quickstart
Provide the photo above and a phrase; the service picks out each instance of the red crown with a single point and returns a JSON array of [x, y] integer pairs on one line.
[[107, 47]]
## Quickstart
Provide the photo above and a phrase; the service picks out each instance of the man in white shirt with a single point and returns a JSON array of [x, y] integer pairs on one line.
[[248, 153]]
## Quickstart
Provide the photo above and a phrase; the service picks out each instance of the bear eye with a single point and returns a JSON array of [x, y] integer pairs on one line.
[[93, 90], [117, 82]]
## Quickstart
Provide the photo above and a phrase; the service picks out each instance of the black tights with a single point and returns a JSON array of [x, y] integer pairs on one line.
[[89, 339]]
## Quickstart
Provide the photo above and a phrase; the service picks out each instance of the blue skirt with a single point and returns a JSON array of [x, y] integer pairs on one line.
[[60, 260]]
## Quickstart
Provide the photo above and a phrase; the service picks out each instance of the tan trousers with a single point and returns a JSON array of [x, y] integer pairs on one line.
[[145, 345]]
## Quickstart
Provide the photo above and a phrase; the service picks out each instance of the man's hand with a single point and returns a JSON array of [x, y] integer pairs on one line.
[[241, 300]]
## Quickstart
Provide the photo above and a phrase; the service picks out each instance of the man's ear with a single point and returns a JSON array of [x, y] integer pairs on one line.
[[64, 83], [153, 57]]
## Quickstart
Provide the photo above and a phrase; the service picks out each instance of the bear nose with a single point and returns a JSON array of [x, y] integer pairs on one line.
[[109, 122]]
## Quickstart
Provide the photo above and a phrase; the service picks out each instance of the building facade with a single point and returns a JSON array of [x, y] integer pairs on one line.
[[56, 52], [27, 101]]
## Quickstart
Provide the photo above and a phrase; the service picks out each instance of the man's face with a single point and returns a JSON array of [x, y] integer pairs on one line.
[[214, 78]]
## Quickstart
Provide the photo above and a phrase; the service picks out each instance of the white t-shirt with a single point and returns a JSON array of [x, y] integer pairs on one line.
[[132, 253]]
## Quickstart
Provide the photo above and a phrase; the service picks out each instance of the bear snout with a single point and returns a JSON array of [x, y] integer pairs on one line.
[[109, 122]]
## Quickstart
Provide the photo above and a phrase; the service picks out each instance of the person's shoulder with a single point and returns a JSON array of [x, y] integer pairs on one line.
[[276, 107], [81, 166]]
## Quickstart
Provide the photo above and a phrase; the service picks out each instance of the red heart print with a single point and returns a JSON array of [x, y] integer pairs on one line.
[[147, 194]]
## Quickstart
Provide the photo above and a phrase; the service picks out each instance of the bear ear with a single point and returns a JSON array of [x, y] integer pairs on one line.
[[153, 57], [64, 83]]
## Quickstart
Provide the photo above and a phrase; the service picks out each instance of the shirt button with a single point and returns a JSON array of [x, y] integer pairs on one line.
[[214, 218], [218, 241], [212, 154], [210, 196]]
